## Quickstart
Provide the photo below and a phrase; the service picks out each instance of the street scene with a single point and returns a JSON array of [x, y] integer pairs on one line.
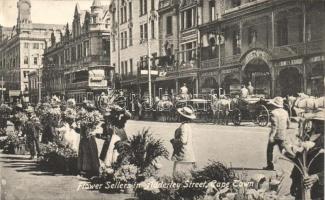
[[162, 99]]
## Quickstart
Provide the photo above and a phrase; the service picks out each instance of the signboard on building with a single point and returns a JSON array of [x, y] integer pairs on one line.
[[289, 62], [256, 54], [97, 78], [209, 74], [14, 93], [317, 59], [146, 72]]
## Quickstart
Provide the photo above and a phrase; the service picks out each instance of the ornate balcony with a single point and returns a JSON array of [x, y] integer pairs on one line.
[[300, 49], [167, 3]]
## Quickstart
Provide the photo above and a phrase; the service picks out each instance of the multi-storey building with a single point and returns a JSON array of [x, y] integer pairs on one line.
[[134, 40], [276, 45], [78, 66], [21, 51]]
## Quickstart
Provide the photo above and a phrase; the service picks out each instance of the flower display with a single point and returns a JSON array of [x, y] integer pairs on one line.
[[88, 119], [5, 110], [126, 173]]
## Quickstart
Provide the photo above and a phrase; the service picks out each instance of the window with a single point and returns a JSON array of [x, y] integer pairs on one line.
[[126, 67], [169, 25], [188, 51], [86, 48], [236, 42], [212, 10], [282, 31], [26, 60], [35, 46], [252, 35], [152, 29], [122, 68], [152, 5], [26, 45], [143, 33], [189, 17], [143, 7], [130, 37], [106, 47], [125, 39], [35, 60], [25, 74], [130, 10], [42, 46], [143, 63], [73, 53]]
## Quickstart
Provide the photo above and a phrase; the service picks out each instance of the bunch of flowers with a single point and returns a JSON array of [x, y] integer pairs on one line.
[[50, 116], [126, 174], [70, 113], [19, 119], [88, 119], [5, 110]]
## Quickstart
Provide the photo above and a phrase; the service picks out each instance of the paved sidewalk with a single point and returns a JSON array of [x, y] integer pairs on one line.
[[22, 180]]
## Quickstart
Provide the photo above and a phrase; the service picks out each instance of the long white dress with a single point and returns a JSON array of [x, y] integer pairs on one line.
[[69, 136], [112, 153]]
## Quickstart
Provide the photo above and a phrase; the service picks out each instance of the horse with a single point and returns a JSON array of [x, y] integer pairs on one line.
[[220, 109]]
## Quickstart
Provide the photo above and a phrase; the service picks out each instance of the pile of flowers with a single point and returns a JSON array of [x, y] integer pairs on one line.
[[126, 174], [12, 141], [58, 158], [5, 110]]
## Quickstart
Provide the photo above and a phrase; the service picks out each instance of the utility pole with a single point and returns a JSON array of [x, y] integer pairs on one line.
[[149, 52], [2, 100], [39, 85]]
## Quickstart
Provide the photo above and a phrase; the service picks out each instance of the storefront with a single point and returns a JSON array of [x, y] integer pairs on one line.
[[289, 77], [315, 77], [209, 82], [256, 68], [230, 80]]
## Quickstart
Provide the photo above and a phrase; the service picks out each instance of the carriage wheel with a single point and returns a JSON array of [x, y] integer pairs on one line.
[[263, 116], [236, 116]]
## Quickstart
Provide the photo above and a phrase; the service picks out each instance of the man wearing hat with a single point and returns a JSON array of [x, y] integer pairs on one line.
[[280, 122], [32, 130]]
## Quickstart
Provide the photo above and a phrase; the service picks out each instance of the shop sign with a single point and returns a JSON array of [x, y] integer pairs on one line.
[[14, 93], [317, 59], [290, 62], [208, 74], [146, 72], [228, 71], [256, 54]]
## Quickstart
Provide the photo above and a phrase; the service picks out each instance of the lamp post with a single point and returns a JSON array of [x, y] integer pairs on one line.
[[39, 85], [2, 99]]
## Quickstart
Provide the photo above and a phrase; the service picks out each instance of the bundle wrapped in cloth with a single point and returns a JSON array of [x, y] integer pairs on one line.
[[305, 103]]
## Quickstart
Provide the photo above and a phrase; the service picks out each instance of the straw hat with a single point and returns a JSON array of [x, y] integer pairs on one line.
[[277, 102], [186, 112]]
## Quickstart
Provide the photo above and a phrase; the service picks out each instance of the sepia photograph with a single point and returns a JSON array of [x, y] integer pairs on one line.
[[162, 99]]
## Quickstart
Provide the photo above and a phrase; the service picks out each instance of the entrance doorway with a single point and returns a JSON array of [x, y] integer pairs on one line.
[[258, 73], [290, 81]]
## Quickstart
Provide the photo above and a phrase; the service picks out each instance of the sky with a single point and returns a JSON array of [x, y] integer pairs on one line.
[[44, 11]]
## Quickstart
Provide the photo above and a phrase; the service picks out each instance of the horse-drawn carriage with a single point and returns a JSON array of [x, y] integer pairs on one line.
[[201, 107], [254, 108]]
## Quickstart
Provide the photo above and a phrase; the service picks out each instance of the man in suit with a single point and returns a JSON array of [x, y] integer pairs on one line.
[[32, 129]]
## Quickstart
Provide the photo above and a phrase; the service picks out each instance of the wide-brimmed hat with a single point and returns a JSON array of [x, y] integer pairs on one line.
[[19, 105], [186, 112], [277, 102]]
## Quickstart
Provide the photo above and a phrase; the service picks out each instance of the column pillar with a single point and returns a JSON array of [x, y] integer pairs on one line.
[[154, 89], [273, 29], [176, 86], [197, 85]]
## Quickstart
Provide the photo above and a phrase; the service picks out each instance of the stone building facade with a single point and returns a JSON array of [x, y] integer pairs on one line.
[[78, 66], [21, 51]]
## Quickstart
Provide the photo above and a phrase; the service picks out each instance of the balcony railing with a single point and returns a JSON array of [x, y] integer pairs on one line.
[[299, 49], [186, 3]]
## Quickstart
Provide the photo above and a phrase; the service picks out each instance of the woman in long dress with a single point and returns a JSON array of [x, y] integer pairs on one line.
[[88, 161], [115, 121], [183, 155], [70, 137]]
